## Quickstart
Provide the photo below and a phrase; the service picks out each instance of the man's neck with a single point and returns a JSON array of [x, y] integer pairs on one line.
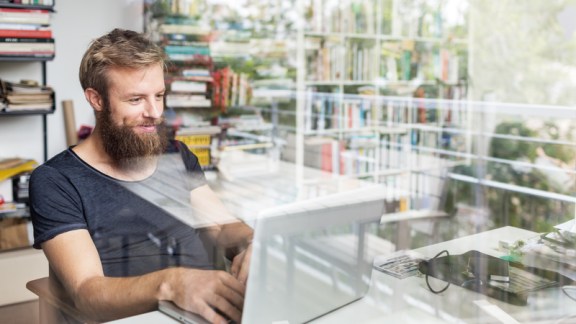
[[93, 153]]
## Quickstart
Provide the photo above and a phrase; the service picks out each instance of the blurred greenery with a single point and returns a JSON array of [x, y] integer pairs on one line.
[[512, 208]]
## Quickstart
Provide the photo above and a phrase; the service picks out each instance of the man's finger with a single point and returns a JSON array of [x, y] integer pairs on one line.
[[245, 267], [233, 296], [236, 263], [231, 282], [223, 305], [210, 314]]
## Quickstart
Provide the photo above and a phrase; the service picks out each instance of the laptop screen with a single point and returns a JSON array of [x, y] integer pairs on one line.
[[313, 257]]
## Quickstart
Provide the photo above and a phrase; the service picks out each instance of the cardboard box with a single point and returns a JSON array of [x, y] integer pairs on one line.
[[13, 233]]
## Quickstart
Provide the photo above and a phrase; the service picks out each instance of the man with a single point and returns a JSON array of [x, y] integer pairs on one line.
[[114, 250]]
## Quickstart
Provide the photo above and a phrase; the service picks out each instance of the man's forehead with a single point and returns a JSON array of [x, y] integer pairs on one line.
[[130, 80]]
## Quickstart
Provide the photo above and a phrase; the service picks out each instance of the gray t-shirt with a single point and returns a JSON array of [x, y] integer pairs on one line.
[[131, 223]]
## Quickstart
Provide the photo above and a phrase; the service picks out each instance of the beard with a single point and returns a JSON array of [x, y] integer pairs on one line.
[[128, 149]]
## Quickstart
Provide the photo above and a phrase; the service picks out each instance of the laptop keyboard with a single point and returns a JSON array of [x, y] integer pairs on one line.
[[522, 281]]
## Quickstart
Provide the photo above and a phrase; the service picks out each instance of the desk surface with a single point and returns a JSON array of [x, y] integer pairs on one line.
[[409, 300]]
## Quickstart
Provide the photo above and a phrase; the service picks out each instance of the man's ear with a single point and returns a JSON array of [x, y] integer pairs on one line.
[[94, 99]]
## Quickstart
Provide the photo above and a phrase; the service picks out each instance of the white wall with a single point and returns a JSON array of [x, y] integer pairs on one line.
[[74, 24]]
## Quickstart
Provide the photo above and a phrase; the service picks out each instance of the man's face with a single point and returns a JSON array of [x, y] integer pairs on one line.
[[131, 119]]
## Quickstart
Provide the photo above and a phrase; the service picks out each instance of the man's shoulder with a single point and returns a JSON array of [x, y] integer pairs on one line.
[[174, 146], [64, 162], [65, 157]]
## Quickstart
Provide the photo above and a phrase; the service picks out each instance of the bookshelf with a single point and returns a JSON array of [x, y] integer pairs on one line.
[[26, 37], [358, 60], [25, 26], [26, 41], [192, 93], [237, 58], [329, 77]]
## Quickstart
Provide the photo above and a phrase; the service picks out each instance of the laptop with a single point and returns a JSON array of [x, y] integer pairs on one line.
[[309, 258]]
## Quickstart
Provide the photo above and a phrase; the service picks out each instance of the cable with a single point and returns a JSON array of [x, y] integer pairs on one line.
[[565, 290], [428, 283]]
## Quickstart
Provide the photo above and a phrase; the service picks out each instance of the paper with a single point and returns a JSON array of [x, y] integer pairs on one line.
[[401, 265]]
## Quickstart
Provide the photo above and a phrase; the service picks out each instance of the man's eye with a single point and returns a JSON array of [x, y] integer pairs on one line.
[[160, 96], [135, 100]]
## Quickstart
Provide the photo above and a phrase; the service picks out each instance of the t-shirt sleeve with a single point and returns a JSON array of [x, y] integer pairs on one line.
[[55, 205], [192, 165]]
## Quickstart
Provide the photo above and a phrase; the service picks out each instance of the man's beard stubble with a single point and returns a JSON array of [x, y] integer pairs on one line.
[[127, 149]]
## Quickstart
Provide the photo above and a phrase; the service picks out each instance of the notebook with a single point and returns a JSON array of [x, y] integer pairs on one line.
[[308, 258]]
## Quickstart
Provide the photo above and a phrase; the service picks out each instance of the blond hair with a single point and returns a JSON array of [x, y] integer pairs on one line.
[[119, 48]]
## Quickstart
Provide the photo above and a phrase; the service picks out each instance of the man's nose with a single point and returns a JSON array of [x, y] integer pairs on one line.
[[154, 109]]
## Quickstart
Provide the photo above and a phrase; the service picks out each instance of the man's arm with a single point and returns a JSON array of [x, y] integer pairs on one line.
[[227, 231], [75, 261]]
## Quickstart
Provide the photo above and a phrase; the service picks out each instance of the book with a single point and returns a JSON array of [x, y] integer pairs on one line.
[[22, 26], [24, 16], [24, 86], [189, 72], [41, 106], [186, 50], [184, 38], [25, 40], [194, 78], [188, 86], [221, 88], [29, 97], [47, 3], [10, 167], [183, 100], [184, 29], [26, 33], [27, 46]]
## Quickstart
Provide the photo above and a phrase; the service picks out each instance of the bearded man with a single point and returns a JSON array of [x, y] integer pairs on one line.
[[110, 243]]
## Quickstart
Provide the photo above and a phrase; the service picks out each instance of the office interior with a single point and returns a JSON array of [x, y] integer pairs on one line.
[[457, 115]]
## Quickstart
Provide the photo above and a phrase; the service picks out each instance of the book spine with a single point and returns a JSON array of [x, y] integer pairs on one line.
[[25, 40], [190, 50], [24, 11], [24, 33], [25, 16]]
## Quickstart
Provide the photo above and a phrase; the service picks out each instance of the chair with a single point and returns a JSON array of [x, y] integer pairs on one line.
[[55, 305]]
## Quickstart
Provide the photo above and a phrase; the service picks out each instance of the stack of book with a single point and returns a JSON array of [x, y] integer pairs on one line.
[[189, 86], [25, 32], [189, 76], [183, 39], [26, 96]]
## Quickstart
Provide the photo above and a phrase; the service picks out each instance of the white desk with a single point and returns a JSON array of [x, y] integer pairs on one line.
[[408, 300]]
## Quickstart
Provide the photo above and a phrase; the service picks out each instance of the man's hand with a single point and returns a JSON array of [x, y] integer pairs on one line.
[[241, 264], [207, 293]]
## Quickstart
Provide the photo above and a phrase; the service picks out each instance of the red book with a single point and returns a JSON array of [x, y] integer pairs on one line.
[[25, 33], [326, 157], [24, 11]]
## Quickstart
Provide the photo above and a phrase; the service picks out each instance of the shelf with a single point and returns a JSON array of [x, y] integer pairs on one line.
[[38, 112], [242, 147], [25, 58], [339, 82], [17, 212], [387, 37], [342, 130], [26, 112]]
